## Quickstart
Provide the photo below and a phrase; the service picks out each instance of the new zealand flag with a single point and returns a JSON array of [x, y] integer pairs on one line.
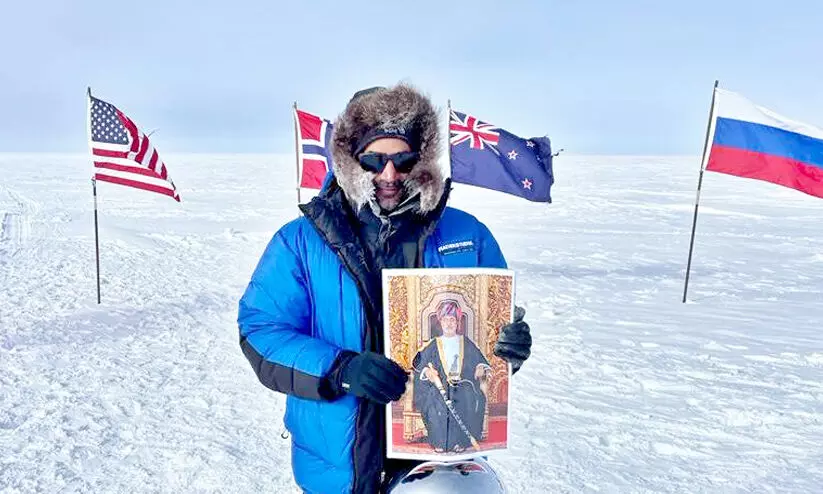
[[490, 157]]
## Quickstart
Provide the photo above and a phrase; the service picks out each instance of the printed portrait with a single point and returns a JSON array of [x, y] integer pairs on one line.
[[441, 326]]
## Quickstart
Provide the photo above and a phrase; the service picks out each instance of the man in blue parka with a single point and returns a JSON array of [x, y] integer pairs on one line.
[[311, 317]]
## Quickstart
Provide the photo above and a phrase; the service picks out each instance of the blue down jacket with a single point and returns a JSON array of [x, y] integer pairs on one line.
[[307, 300]]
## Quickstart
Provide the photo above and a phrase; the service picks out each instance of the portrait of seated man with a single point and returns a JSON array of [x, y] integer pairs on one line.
[[450, 368]]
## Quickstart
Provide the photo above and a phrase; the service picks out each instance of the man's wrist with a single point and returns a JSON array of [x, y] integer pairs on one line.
[[332, 385]]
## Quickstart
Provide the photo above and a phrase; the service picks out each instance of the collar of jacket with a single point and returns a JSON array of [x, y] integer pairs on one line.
[[378, 227], [337, 223]]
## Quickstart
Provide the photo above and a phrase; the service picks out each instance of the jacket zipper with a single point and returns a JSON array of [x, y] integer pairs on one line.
[[364, 302], [366, 345]]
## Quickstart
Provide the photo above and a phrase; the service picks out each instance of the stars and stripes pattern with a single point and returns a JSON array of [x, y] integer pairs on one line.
[[313, 150], [123, 154]]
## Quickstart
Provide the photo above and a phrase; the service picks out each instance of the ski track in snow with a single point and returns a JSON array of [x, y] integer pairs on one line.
[[628, 390]]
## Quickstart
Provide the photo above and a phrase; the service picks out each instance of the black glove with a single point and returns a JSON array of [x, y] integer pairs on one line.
[[515, 341], [368, 375]]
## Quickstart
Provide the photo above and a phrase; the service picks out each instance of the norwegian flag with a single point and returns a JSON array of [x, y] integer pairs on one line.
[[490, 157], [123, 154], [313, 151]]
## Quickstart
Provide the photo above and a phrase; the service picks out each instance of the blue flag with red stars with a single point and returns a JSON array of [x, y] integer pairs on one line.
[[487, 156]]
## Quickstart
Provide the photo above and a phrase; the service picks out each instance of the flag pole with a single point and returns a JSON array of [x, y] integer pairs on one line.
[[96, 237], [699, 186], [94, 192], [297, 148], [448, 134]]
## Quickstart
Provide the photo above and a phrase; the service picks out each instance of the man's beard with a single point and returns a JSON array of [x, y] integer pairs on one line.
[[390, 194]]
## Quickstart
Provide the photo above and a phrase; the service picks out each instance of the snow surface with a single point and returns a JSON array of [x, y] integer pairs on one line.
[[628, 389]]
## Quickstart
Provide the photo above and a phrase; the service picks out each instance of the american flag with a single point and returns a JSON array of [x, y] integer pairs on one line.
[[313, 148], [123, 154]]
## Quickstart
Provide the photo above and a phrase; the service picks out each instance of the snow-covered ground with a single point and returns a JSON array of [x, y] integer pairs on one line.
[[629, 390]]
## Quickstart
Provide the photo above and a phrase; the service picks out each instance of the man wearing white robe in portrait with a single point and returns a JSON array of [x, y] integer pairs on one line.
[[451, 367]]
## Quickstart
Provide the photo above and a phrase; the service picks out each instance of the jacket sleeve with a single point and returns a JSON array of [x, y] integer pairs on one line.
[[490, 255], [274, 319]]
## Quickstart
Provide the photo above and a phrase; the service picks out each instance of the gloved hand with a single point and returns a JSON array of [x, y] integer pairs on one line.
[[369, 375], [515, 341]]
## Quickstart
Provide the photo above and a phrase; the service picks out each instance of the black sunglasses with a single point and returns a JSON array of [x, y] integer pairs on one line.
[[376, 162]]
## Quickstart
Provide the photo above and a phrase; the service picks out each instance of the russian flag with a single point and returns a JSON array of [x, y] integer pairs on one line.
[[753, 142]]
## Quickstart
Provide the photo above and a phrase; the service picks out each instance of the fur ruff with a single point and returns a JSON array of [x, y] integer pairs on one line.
[[401, 105]]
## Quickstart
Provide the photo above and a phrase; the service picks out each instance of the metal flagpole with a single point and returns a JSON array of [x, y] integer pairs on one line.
[[94, 192], [297, 148], [448, 135], [96, 237], [699, 186]]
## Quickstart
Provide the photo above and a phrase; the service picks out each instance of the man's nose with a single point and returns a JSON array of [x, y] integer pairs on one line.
[[389, 173]]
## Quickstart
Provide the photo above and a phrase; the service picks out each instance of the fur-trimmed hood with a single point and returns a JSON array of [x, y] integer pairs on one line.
[[388, 108]]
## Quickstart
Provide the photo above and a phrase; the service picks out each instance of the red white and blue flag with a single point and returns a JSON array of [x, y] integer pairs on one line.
[[754, 142], [123, 154], [467, 128], [313, 148], [490, 157]]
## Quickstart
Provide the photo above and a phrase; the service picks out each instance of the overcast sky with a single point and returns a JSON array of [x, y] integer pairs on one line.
[[597, 76]]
